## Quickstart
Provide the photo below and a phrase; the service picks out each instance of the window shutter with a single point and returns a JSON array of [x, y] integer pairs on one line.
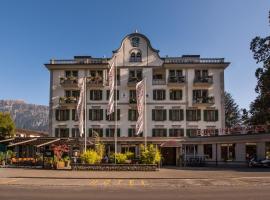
[[56, 132], [129, 115], [101, 114], [118, 132], [90, 114], [205, 115], [163, 94], [171, 94], [164, 115], [181, 114], [216, 115], [100, 94], [107, 116], [68, 114], [91, 94], [107, 132], [117, 93], [198, 115], [154, 94], [118, 114], [57, 114], [181, 94], [170, 115], [153, 115]]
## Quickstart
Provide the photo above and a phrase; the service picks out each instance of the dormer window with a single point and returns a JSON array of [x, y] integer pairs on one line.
[[135, 56], [135, 41]]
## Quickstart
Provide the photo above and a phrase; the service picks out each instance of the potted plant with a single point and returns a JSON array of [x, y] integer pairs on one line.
[[66, 160]]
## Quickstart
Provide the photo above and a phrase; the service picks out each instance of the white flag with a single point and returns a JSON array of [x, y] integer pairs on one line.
[[81, 105], [140, 94], [110, 107]]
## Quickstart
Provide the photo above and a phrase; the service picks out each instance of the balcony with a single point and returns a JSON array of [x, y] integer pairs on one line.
[[94, 81], [203, 81], [69, 81], [65, 101], [132, 81], [132, 101], [176, 81], [204, 101], [159, 82]]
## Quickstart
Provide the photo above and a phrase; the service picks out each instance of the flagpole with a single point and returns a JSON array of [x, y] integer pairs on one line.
[[115, 112], [145, 119], [85, 114]]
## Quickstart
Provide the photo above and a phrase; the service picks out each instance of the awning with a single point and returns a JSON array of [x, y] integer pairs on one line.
[[6, 140], [46, 143], [171, 143], [22, 142]]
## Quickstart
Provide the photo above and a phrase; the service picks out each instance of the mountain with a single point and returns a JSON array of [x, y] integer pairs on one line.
[[27, 116]]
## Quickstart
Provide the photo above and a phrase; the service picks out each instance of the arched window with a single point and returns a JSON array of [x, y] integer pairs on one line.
[[138, 57], [132, 57]]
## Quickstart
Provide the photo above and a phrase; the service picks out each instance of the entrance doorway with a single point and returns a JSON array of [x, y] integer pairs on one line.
[[168, 155]]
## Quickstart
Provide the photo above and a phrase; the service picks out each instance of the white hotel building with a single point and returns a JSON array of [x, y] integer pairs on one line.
[[184, 99]]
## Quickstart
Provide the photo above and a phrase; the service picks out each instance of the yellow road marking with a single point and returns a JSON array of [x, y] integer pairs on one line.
[[131, 182], [107, 182], [143, 183], [93, 182], [9, 181], [119, 182]]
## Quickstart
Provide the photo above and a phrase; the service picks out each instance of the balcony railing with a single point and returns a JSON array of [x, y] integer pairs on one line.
[[69, 81], [188, 60], [204, 100], [176, 80], [204, 80], [159, 82], [68, 100], [94, 81], [132, 100], [133, 80], [80, 61]]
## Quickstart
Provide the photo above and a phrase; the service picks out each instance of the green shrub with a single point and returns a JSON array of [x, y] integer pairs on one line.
[[91, 157], [129, 155], [2, 156], [150, 154]]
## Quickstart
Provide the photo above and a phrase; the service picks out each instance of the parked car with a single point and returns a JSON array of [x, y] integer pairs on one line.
[[259, 163]]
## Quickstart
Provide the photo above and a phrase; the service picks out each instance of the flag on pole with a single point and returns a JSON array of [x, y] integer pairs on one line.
[[81, 105], [110, 107], [140, 95]]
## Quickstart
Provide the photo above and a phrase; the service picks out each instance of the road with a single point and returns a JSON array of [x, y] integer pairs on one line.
[[166, 184]]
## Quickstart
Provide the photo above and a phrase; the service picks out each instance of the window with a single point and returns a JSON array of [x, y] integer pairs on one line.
[[175, 94], [96, 73], [111, 117], [93, 132], [132, 96], [72, 93], [193, 132], [132, 115], [175, 73], [138, 57], [108, 94], [71, 74], [96, 114], [176, 132], [201, 74], [96, 95], [132, 133], [210, 115], [227, 152], [193, 115], [132, 57], [159, 94], [62, 115], [61, 132], [110, 132], [176, 114], [74, 115], [200, 94], [208, 151], [159, 115], [75, 132], [135, 41], [135, 75], [159, 132]]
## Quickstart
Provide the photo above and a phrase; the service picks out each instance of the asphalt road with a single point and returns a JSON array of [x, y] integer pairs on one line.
[[206, 183], [81, 193]]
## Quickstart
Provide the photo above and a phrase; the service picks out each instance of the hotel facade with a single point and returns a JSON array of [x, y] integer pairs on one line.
[[184, 103]]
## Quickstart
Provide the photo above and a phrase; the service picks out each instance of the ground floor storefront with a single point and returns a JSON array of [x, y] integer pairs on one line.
[[196, 151]]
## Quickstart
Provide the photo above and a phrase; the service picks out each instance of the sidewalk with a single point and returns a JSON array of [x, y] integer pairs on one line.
[[164, 173]]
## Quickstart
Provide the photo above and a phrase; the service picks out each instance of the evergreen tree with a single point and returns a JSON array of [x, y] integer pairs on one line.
[[232, 113], [7, 126], [260, 107]]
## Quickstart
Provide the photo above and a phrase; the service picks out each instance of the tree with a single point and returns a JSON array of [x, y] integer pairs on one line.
[[232, 113], [245, 118], [7, 126], [260, 107]]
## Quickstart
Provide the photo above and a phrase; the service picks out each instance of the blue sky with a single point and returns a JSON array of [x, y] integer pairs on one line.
[[32, 32]]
